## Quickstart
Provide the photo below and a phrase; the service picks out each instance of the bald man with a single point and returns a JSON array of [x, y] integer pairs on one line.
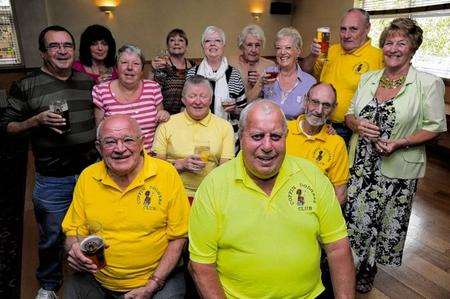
[[142, 206], [258, 222]]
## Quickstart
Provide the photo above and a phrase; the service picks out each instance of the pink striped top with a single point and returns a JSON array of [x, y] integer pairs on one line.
[[143, 109]]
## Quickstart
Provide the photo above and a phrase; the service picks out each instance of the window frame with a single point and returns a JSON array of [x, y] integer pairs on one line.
[[14, 23]]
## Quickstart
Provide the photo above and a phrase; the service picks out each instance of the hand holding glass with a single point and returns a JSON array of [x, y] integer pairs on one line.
[[61, 108], [92, 245]]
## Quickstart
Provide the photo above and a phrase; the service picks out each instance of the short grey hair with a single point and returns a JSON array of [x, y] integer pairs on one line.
[[268, 107], [292, 33], [131, 49], [213, 29], [363, 12], [130, 119], [196, 80], [254, 30]]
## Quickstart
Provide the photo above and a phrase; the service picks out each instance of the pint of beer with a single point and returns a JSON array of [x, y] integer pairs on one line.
[[61, 107], [323, 36], [93, 247]]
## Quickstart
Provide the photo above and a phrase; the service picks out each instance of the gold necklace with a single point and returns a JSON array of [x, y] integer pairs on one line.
[[385, 82]]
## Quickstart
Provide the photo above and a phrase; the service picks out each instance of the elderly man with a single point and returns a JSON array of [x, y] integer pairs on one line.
[[195, 141], [59, 157], [257, 222], [346, 63], [309, 138], [142, 206]]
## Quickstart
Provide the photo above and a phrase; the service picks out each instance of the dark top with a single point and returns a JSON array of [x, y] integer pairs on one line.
[[55, 155]]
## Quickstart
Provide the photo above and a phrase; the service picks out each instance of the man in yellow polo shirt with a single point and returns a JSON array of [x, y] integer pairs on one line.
[[257, 222], [346, 62], [195, 141], [142, 207], [308, 137]]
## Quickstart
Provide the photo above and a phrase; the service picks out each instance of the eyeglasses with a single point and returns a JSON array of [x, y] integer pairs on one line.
[[212, 41], [56, 46], [112, 142], [317, 103]]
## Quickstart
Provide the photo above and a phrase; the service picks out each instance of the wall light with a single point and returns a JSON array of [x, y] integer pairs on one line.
[[256, 8], [107, 6], [256, 15]]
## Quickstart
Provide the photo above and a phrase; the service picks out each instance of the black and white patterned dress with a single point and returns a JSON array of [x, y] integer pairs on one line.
[[378, 208]]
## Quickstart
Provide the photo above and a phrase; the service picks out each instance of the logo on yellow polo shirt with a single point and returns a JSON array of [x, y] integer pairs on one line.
[[302, 197], [322, 156], [361, 67], [148, 197]]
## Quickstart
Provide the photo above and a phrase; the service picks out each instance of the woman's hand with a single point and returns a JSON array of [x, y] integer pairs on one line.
[[159, 63], [367, 129], [386, 147], [267, 80], [162, 116]]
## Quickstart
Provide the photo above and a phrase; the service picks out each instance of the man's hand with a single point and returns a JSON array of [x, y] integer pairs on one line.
[[51, 120], [146, 292], [191, 163], [315, 47], [78, 261]]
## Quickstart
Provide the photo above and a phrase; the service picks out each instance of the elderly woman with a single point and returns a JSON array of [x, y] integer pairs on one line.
[[170, 72], [97, 54], [249, 62], [393, 113], [286, 83], [131, 95], [195, 141], [229, 90]]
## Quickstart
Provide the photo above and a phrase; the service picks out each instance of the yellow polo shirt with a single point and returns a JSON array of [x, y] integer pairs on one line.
[[343, 71], [138, 223], [176, 139], [326, 151], [265, 246]]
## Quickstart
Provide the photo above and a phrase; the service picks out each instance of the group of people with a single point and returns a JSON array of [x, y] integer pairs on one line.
[[296, 204]]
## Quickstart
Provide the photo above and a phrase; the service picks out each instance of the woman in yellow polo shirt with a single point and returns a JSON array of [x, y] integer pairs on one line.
[[393, 113]]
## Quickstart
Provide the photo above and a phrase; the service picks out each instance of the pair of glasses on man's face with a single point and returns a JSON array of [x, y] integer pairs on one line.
[[127, 141], [56, 46], [316, 103]]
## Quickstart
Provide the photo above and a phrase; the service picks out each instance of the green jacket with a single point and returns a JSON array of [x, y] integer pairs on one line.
[[419, 105]]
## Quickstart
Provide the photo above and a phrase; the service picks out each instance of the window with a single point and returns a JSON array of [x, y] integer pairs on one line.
[[9, 45], [433, 56]]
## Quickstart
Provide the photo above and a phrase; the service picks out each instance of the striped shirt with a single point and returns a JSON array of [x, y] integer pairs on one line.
[[55, 154], [143, 109]]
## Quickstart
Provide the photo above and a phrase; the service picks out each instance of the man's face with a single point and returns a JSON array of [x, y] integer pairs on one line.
[[319, 105], [251, 48], [197, 100], [60, 51], [120, 146], [263, 143], [354, 31]]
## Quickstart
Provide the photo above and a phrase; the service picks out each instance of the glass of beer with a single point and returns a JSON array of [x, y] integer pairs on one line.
[[271, 73], [228, 103], [61, 107], [323, 36], [203, 150], [92, 244]]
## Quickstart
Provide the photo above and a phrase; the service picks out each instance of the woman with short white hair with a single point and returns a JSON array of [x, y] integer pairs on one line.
[[229, 91]]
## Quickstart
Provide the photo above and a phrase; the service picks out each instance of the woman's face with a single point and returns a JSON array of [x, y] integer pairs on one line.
[[286, 52], [397, 50], [99, 50], [213, 46], [129, 68], [176, 45]]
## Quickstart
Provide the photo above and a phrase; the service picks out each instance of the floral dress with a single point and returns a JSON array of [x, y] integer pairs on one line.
[[378, 208]]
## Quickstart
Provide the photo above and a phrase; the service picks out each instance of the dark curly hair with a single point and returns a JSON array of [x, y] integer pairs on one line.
[[92, 34]]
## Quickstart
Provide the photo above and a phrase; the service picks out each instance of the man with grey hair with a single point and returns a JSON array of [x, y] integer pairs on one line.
[[258, 221], [141, 206], [346, 62], [195, 141]]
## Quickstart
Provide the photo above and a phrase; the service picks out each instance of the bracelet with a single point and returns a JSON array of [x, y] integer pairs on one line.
[[159, 282]]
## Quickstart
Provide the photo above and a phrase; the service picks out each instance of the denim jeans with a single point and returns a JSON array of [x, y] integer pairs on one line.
[[51, 197], [83, 285]]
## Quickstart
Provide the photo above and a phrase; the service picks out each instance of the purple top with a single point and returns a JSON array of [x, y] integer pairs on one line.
[[292, 101]]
